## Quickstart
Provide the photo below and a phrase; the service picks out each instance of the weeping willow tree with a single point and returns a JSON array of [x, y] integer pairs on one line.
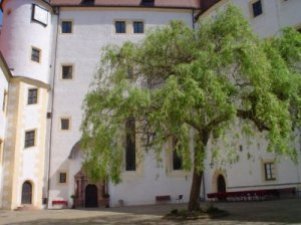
[[192, 84]]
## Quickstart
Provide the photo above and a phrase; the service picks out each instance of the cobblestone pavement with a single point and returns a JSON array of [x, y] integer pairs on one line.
[[246, 213]]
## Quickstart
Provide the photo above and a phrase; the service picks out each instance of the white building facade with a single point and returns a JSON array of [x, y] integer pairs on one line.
[[52, 50]]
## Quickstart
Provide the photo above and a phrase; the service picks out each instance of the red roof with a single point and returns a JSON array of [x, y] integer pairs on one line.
[[133, 3]]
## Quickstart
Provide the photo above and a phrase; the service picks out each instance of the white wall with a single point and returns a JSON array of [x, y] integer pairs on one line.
[[94, 29]]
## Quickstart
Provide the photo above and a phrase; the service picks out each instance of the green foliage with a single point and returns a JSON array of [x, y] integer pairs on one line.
[[183, 83]]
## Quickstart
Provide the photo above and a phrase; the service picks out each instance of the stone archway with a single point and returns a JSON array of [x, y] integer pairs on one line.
[[26, 197], [86, 191]]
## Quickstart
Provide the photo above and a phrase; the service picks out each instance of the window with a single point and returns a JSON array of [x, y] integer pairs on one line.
[[4, 102], [130, 149], [35, 54], [32, 97], [30, 138], [138, 27], [120, 27], [177, 162], [66, 27], [65, 124], [88, 2], [39, 15], [63, 178], [67, 72], [257, 8], [147, 2], [269, 171]]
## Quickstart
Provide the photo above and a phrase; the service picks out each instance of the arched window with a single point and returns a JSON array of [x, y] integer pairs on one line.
[[221, 184]]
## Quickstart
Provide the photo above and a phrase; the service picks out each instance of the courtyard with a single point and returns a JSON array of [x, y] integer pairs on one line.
[[286, 211]]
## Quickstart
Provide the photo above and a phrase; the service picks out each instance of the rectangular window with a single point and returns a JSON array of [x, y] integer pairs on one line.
[[269, 170], [29, 138], [32, 97], [138, 27], [4, 102], [67, 72], [66, 27], [130, 149], [177, 162], [257, 8], [63, 178], [120, 27], [65, 124], [35, 54]]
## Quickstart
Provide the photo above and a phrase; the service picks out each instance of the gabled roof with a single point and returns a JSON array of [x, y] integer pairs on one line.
[[189, 4]]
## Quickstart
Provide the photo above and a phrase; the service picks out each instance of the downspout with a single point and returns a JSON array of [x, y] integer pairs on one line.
[[52, 103]]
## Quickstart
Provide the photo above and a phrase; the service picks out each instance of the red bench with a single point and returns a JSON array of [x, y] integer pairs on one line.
[[59, 202], [163, 198], [251, 195]]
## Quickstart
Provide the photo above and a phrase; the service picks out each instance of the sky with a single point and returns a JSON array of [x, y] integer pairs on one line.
[[0, 17]]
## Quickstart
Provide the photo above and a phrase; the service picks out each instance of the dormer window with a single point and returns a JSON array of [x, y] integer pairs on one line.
[[88, 2], [147, 2]]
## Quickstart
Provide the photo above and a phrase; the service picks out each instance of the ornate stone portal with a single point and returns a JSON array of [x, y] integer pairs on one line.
[[89, 194]]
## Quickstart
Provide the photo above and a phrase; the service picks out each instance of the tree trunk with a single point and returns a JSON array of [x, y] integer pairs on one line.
[[201, 143], [194, 200]]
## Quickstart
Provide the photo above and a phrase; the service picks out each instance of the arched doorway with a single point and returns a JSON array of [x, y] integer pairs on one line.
[[91, 196], [221, 184], [26, 193]]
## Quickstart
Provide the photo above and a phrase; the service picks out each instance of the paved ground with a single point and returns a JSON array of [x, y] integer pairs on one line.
[[251, 213]]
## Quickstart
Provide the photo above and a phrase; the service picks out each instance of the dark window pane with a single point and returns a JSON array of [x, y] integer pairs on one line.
[[65, 124], [29, 138], [63, 178], [257, 8], [67, 72], [88, 2], [66, 27], [130, 153], [269, 171], [120, 27], [32, 96], [35, 54], [176, 157], [138, 27]]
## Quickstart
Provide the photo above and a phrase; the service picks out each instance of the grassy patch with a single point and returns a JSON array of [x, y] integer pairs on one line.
[[208, 212]]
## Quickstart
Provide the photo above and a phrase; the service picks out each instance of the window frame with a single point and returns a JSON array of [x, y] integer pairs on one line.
[[26, 145], [62, 71], [61, 123], [130, 154], [125, 26], [32, 100], [269, 169], [59, 177], [251, 6], [143, 27], [32, 56], [66, 21]]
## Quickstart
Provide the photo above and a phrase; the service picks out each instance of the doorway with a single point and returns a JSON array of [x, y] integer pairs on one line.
[[221, 184], [26, 193], [91, 196]]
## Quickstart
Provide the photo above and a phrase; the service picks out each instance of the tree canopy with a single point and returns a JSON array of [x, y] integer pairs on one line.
[[193, 83]]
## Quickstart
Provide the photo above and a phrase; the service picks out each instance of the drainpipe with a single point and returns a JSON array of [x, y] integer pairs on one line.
[[52, 103]]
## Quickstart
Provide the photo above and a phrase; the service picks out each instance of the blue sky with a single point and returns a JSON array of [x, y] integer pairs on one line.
[[0, 17]]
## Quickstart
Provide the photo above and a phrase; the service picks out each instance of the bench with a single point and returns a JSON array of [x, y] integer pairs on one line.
[[163, 198], [59, 202], [251, 195]]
